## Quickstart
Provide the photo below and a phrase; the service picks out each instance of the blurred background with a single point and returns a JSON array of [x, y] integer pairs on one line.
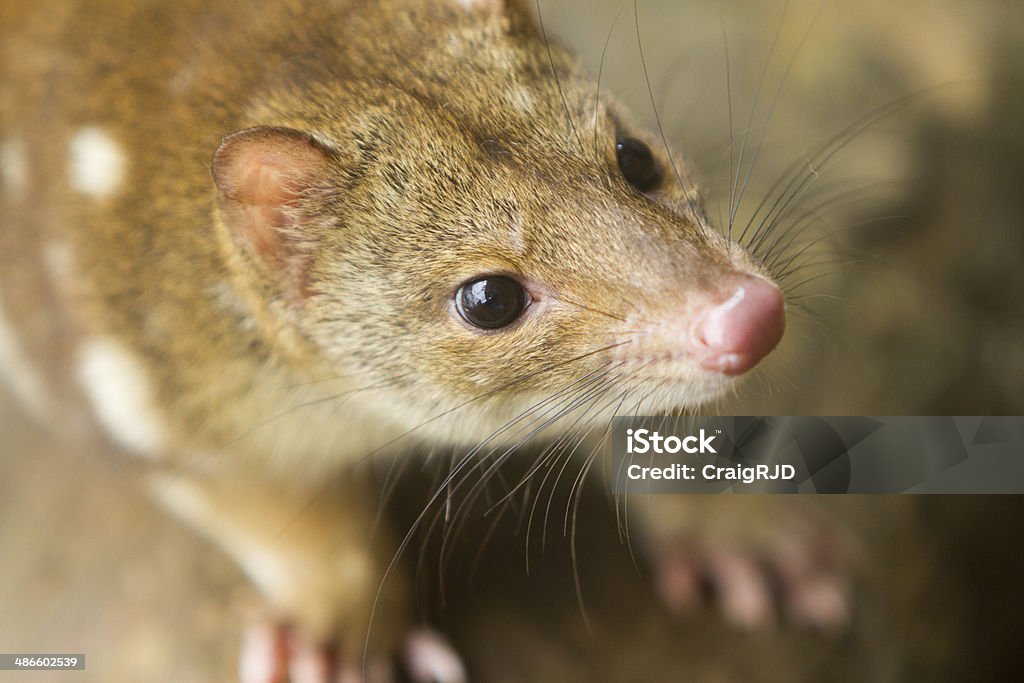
[[911, 303]]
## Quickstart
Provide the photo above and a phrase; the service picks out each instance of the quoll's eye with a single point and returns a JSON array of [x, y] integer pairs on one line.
[[491, 302], [638, 165]]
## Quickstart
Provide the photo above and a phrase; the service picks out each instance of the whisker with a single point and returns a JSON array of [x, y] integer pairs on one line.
[[775, 97], [600, 73], [657, 118], [594, 394], [837, 202], [382, 384], [554, 74], [556, 446], [823, 155], [734, 182], [559, 413], [728, 90], [591, 309], [456, 470], [357, 373], [492, 392], [391, 480]]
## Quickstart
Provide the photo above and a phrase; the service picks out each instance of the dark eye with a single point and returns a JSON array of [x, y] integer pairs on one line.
[[638, 165], [491, 302]]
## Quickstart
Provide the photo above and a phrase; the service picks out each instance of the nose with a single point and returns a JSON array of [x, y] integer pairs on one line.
[[734, 335]]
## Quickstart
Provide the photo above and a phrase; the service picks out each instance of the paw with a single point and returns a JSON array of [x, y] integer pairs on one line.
[[276, 653], [798, 573]]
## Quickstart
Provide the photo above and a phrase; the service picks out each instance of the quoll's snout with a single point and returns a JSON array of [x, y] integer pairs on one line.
[[734, 333]]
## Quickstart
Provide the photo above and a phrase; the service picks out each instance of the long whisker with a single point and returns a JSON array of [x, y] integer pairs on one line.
[[591, 395], [824, 153], [657, 118], [775, 96], [334, 378], [456, 470], [554, 74], [734, 182], [575, 401], [557, 446], [728, 90], [591, 309], [836, 202], [780, 254], [600, 73], [792, 264], [382, 384], [491, 392]]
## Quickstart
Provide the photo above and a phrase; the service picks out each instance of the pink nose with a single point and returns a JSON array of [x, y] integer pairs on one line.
[[734, 335]]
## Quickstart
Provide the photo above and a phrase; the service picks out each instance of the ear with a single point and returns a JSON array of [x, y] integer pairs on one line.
[[265, 177]]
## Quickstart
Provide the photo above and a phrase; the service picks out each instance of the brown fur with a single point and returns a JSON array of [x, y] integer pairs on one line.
[[433, 171]]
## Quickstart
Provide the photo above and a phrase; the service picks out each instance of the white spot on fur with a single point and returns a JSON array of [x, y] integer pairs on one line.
[[96, 164], [521, 100], [118, 388], [13, 167], [18, 373]]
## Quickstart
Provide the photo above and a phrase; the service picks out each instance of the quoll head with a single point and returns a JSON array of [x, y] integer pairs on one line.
[[486, 237]]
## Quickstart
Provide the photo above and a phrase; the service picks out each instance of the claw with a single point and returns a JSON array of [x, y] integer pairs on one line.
[[264, 656], [743, 590], [679, 581], [310, 662], [430, 659], [821, 603]]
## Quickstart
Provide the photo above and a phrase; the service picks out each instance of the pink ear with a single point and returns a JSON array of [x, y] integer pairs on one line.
[[263, 175]]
